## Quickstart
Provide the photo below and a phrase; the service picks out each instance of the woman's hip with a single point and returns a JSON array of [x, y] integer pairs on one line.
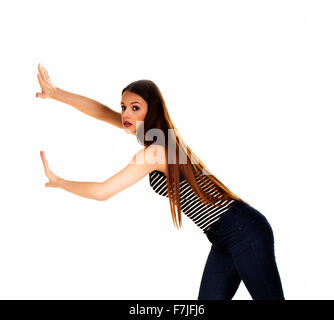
[[241, 222]]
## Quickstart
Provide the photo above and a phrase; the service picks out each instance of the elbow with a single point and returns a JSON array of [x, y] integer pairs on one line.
[[104, 192], [104, 198], [101, 195]]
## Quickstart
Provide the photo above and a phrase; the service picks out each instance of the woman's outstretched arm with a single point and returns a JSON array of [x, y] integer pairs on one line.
[[86, 105], [89, 106], [143, 162]]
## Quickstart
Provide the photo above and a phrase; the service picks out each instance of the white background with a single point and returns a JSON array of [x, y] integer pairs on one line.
[[248, 84]]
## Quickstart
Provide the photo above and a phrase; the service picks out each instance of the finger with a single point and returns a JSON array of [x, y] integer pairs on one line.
[[40, 80], [46, 72], [45, 162], [40, 68], [42, 153], [45, 76], [41, 72], [43, 157]]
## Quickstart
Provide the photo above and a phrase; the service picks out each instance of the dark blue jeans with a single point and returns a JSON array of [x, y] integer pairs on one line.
[[242, 249]]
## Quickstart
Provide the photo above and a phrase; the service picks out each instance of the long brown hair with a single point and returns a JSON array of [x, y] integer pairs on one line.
[[205, 185]]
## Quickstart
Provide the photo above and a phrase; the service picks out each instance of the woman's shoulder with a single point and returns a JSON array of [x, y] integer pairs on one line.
[[156, 153]]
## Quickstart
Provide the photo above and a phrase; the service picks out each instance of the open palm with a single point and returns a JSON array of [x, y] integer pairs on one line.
[[47, 87], [53, 178]]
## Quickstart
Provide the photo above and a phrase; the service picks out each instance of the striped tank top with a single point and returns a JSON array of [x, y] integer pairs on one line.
[[191, 206]]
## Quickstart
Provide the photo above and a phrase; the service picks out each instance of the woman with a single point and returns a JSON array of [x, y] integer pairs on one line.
[[241, 237]]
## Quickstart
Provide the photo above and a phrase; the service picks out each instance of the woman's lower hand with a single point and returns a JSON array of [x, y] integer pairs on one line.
[[53, 178], [47, 87]]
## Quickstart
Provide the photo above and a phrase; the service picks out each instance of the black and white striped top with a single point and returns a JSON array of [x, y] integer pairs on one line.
[[191, 206]]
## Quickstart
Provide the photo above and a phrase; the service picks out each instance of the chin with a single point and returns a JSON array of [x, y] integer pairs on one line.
[[129, 131]]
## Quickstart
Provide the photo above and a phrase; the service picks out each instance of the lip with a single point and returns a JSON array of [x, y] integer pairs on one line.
[[127, 124]]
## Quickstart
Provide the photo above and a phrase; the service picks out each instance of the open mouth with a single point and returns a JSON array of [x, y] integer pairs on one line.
[[127, 124]]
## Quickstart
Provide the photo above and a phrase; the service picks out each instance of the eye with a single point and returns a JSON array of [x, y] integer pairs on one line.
[[133, 107]]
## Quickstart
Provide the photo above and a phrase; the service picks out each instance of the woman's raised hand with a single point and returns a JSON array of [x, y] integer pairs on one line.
[[53, 178], [48, 89]]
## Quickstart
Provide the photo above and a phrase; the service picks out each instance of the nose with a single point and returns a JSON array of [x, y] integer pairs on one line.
[[125, 115]]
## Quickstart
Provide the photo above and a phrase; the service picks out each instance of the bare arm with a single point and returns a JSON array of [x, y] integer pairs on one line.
[[86, 105], [84, 189], [89, 106], [143, 162]]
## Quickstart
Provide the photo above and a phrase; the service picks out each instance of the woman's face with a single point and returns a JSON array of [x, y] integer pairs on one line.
[[134, 108]]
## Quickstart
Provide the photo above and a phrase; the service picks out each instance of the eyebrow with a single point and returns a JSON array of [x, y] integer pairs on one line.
[[131, 102]]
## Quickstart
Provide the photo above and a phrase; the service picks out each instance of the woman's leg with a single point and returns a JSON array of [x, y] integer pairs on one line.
[[242, 248], [220, 279], [256, 263]]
